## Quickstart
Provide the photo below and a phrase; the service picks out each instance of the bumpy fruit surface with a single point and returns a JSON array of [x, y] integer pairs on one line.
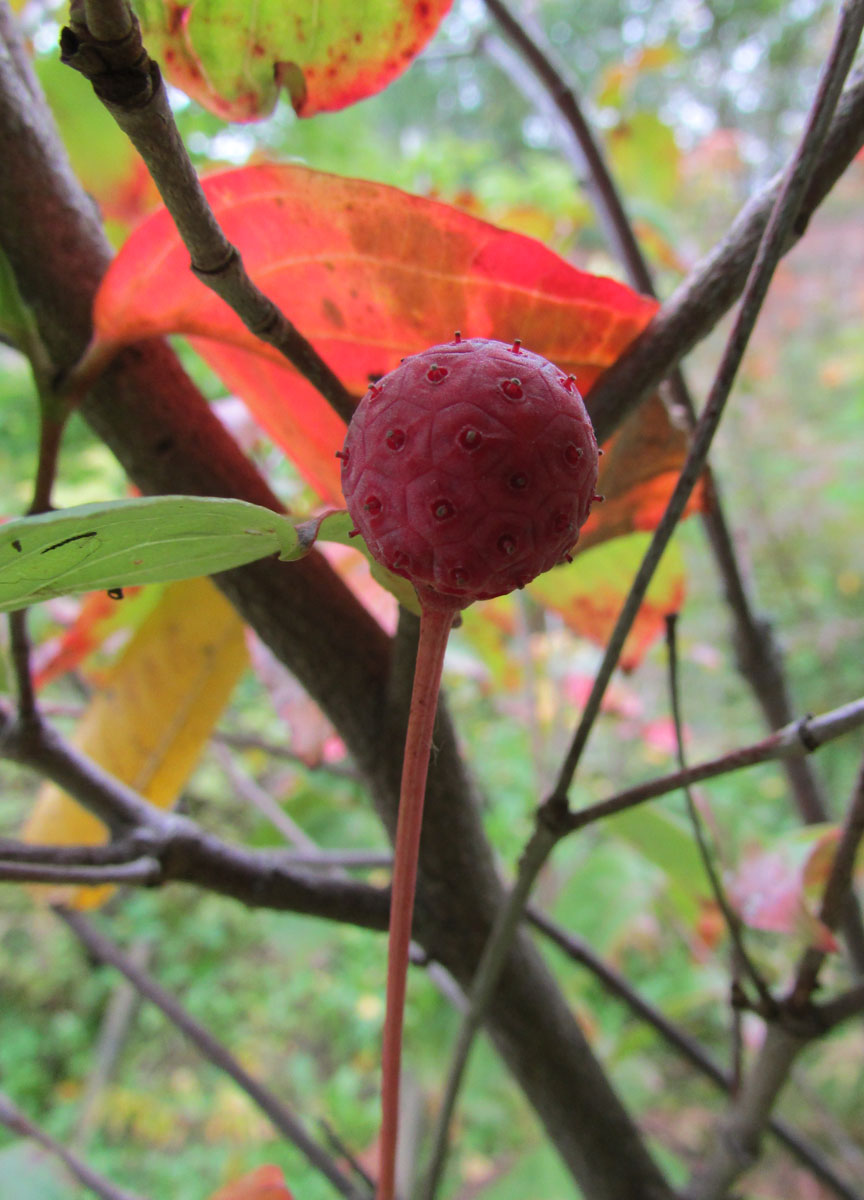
[[469, 469]]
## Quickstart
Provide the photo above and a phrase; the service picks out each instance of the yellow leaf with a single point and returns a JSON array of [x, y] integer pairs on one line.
[[150, 721]]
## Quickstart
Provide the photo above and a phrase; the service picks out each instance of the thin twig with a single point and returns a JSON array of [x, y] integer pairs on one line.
[[780, 225], [799, 738], [14, 1119], [281, 1117], [124, 851], [143, 872], [129, 84], [733, 923]]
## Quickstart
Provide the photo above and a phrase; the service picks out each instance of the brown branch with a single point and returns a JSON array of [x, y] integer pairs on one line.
[[123, 851], [212, 1049], [793, 741], [129, 84], [143, 872], [14, 1119], [185, 852], [732, 920]]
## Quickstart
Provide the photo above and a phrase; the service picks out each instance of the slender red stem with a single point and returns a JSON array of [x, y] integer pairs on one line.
[[434, 632]]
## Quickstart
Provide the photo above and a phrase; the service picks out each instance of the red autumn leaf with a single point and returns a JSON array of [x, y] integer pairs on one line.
[[265, 1183], [234, 57], [778, 889], [369, 274]]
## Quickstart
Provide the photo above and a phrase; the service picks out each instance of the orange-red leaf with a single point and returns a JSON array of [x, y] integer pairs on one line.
[[369, 274], [233, 57], [265, 1183]]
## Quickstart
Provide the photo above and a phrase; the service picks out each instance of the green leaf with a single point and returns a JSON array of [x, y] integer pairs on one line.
[[151, 539], [670, 845]]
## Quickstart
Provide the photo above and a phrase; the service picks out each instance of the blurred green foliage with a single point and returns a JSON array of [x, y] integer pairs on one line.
[[690, 130]]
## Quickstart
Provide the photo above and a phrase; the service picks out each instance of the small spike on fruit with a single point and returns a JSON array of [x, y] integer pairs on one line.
[[516, 348], [457, 337]]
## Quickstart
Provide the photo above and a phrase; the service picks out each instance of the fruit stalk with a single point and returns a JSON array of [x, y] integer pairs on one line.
[[435, 627]]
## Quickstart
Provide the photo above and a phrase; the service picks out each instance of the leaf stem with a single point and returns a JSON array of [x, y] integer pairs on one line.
[[434, 632]]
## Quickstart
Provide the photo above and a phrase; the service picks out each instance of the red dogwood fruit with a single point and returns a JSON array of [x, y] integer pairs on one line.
[[469, 469]]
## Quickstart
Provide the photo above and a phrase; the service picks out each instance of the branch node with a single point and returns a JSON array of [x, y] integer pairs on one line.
[[805, 735]]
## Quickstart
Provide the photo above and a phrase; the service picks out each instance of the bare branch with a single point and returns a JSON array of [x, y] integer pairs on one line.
[[731, 918], [212, 1049], [123, 851], [793, 741], [143, 872], [129, 84], [183, 850], [14, 1119]]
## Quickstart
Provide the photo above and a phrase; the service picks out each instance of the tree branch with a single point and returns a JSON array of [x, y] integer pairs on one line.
[[185, 852], [143, 872], [793, 741], [129, 84]]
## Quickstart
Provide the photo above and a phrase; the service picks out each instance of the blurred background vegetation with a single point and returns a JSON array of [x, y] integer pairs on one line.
[[698, 103]]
